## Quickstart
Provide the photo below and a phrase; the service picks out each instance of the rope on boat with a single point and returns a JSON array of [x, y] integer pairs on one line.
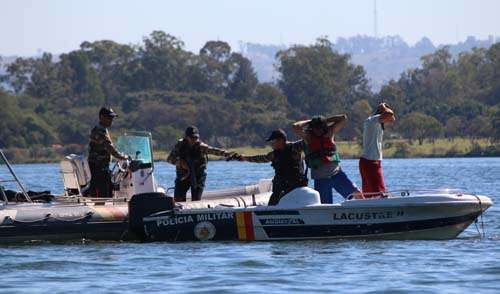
[[480, 216]]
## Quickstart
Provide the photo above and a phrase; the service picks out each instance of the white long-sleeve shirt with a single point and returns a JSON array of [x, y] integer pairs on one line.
[[372, 138]]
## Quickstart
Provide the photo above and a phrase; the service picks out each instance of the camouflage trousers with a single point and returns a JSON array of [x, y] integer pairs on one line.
[[100, 181]]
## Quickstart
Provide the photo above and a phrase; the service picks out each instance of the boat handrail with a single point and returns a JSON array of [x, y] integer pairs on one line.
[[408, 192], [15, 178], [412, 192], [231, 192]]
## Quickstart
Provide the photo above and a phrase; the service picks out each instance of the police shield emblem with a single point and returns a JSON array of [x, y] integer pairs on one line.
[[204, 231]]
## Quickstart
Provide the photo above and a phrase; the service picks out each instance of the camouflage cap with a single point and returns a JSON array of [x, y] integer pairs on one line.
[[108, 112]]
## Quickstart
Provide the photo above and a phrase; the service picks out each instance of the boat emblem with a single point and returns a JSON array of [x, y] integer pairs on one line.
[[204, 231]]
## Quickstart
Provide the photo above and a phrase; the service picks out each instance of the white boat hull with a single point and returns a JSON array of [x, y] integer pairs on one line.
[[416, 217]]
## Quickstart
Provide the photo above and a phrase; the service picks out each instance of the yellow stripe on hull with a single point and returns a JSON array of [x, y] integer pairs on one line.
[[240, 224]]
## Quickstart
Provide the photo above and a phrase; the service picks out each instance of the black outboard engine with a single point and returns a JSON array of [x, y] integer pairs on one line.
[[143, 205]]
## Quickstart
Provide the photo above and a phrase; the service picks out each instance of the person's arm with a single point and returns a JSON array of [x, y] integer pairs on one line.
[[298, 128], [173, 156], [101, 137], [334, 119], [297, 146], [336, 123], [387, 117], [261, 158], [215, 151], [175, 159]]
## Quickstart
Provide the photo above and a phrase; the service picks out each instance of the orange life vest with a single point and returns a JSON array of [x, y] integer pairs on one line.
[[320, 150]]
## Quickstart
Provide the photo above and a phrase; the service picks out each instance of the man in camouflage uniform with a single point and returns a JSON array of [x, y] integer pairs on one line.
[[190, 156], [287, 161], [101, 149]]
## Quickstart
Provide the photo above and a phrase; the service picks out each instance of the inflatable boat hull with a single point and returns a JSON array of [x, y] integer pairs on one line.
[[98, 221], [49, 222]]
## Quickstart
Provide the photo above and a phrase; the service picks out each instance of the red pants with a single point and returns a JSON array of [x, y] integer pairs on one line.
[[371, 175]]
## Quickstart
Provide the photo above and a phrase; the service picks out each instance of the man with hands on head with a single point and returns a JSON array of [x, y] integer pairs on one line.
[[322, 157], [370, 162]]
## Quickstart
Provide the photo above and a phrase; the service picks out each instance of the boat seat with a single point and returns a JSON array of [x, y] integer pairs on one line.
[[76, 174]]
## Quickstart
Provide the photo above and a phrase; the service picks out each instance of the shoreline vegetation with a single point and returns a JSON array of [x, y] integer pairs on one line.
[[395, 148], [49, 103]]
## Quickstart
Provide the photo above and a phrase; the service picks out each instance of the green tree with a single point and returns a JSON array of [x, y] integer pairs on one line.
[[215, 67], [162, 64], [455, 127], [243, 79], [417, 125], [18, 74], [495, 122], [358, 113], [218, 51], [394, 94], [493, 71], [479, 127], [271, 97], [44, 80], [319, 80], [84, 79], [114, 64]]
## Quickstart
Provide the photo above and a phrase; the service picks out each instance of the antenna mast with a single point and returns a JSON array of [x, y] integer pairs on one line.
[[375, 26]]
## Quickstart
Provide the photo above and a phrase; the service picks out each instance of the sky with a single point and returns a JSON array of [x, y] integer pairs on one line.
[[57, 26]]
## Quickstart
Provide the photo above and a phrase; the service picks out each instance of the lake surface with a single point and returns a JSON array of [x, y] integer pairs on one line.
[[468, 263]]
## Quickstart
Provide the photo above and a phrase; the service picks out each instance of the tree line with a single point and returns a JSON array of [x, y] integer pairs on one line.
[[160, 86]]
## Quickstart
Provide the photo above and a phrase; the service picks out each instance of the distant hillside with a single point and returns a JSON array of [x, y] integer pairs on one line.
[[383, 58]]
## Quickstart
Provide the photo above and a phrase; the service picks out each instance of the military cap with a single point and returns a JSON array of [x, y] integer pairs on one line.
[[108, 112], [277, 134]]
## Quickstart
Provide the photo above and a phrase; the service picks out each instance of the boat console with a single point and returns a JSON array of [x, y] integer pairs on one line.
[[300, 197], [137, 175], [129, 177]]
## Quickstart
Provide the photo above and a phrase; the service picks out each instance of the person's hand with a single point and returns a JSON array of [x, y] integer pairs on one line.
[[239, 157], [386, 105], [233, 156]]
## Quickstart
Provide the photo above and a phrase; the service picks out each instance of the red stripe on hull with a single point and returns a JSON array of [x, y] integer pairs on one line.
[[249, 226]]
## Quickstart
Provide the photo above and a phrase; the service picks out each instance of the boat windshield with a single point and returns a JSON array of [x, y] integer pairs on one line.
[[137, 145]]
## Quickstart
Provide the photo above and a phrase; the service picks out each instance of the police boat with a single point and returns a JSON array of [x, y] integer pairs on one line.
[[299, 215], [77, 215]]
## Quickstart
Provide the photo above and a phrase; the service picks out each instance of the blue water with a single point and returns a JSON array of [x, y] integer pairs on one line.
[[465, 264]]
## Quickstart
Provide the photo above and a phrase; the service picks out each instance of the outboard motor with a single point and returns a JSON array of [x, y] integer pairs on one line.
[[75, 173], [143, 205]]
